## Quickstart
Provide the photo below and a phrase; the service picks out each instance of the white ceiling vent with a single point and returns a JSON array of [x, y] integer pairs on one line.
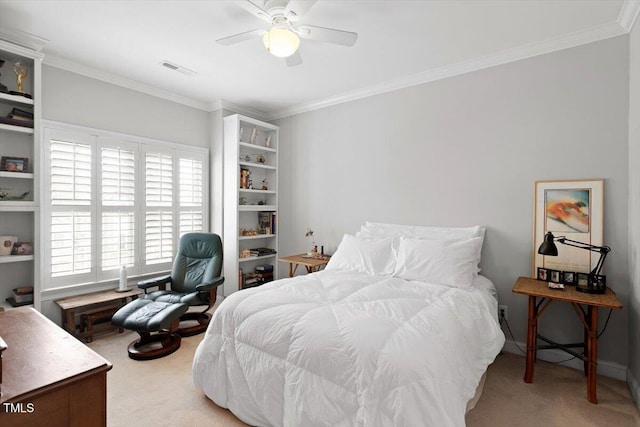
[[178, 68]]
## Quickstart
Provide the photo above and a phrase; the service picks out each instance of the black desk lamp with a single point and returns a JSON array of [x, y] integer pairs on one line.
[[596, 283]]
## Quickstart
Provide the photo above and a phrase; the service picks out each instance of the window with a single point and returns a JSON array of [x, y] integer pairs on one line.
[[113, 200]]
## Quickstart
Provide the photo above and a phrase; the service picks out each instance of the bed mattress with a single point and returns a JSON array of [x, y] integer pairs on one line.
[[348, 349]]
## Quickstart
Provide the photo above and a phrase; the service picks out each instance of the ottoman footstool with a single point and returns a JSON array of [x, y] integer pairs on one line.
[[146, 317]]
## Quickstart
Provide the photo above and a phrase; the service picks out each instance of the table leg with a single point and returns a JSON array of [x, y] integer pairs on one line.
[[532, 332], [290, 269], [592, 354], [70, 323]]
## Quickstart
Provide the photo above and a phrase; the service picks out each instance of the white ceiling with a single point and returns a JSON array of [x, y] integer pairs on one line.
[[400, 43]]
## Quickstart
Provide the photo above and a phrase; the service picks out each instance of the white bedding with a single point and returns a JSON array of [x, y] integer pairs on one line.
[[339, 348]]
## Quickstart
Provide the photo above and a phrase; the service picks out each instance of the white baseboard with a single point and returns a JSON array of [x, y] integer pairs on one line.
[[634, 387], [606, 368]]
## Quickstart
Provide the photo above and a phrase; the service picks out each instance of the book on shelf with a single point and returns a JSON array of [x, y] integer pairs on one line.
[[16, 122], [15, 303], [267, 222], [264, 268], [262, 251], [23, 294], [19, 114]]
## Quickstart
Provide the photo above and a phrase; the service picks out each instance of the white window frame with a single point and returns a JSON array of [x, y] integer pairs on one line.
[[97, 139]]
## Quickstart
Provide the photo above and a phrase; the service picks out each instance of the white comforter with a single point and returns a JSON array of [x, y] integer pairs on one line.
[[347, 349]]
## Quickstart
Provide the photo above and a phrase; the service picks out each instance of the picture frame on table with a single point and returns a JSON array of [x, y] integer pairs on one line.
[[554, 276], [582, 279], [569, 277], [543, 274], [573, 209], [14, 164]]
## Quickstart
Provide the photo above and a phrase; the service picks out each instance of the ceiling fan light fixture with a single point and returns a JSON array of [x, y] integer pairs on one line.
[[281, 42]]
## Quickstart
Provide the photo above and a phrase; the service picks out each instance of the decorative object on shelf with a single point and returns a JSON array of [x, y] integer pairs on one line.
[[244, 178], [248, 232], [574, 209], [267, 141], [265, 184], [254, 135], [3, 88], [6, 244], [4, 196], [14, 164], [596, 283], [242, 201], [245, 253], [261, 159], [21, 73], [22, 248]]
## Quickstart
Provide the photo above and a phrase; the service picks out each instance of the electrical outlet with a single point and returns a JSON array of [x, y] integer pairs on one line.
[[503, 312]]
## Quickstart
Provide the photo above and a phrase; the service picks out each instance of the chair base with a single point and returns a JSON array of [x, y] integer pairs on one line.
[[169, 341], [203, 322]]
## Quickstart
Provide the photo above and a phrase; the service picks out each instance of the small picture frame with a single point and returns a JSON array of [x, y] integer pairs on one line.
[[582, 279], [554, 276], [14, 164], [543, 274], [22, 248], [569, 277]]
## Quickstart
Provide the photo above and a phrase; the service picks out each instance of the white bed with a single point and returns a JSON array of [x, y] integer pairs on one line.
[[344, 347]]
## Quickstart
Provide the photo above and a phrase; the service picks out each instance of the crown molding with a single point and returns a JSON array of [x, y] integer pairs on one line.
[[628, 14], [244, 110], [117, 80], [578, 38], [21, 38]]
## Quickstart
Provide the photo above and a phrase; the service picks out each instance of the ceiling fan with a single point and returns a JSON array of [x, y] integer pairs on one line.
[[282, 39]]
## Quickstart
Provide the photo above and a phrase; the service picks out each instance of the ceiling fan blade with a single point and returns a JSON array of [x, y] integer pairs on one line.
[[293, 60], [329, 35], [255, 10], [237, 38], [297, 8]]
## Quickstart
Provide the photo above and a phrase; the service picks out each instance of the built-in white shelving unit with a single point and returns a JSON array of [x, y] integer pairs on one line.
[[250, 197], [19, 190]]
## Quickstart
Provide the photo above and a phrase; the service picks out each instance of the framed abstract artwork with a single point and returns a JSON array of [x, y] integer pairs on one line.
[[575, 210]]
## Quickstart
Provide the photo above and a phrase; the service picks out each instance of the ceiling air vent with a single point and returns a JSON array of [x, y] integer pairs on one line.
[[178, 68]]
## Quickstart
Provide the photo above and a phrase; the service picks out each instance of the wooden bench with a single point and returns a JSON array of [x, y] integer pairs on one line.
[[97, 315], [92, 308]]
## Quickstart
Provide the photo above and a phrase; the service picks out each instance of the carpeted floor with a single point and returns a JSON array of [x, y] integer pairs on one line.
[[161, 393]]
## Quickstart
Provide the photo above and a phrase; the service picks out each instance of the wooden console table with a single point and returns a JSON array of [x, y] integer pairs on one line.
[[310, 263], [538, 289], [50, 378], [88, 303]]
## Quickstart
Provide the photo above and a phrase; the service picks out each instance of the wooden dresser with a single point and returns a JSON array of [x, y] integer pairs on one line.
[[49, 378]]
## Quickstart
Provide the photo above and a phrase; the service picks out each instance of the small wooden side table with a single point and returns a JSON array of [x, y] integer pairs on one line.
[[589, 318], [87, 302], [310, 263]]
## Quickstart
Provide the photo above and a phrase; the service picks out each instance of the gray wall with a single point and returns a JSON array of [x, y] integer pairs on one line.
[[634, 212], [72, 98], [467, 150]]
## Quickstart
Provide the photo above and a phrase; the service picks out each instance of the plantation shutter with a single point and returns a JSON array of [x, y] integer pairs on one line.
[[191, 195], [159, 208], [71, 199], [118, 198]]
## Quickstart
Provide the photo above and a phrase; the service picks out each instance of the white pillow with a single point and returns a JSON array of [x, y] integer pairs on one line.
[[444, 262], [422, 232], [376, 229], [374, 256]]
